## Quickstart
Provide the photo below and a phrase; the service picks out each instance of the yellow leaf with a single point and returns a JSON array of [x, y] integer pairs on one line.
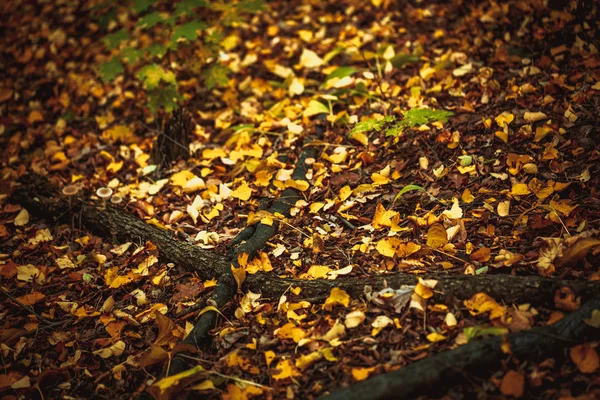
[[239, 274], [345, 192], [310, 59], [316, 272], [243, 192], [315, 207], [436, 236], [336, 297], [117, 133], [481, 303], [563, 206], [181, 178], [360, 374], [114, 280], [307, 360], [269, 357], [299, 184], [520, 189], [114, 167], [115, 350], [286, 370], [387, 246], [435, 337], [502, 136], [382, 217], [259, 263], [210, 154], [359, 137], [503, 208], [263, 178], [35, 116], [22, 218], [166, 387], [290, 331], [504, 119], [455, 212], [467, 196]]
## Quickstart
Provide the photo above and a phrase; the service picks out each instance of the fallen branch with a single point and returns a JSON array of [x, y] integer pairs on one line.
[[43, 200], [436, 374]]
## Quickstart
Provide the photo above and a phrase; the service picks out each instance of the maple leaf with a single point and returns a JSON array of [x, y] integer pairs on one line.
[[188, 31], [114, 40], [110, 69]]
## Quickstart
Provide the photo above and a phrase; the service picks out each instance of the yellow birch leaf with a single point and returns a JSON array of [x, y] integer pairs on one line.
[[437, 236], [337, 296], [243, 192]]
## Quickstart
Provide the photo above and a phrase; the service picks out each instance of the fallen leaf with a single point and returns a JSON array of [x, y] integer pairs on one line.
[[513, 384]]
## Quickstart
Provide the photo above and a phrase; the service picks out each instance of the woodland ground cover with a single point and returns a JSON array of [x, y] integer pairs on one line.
[[299, 199]]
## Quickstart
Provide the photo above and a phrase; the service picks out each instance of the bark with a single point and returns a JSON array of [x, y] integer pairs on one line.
[[42, 199], [436, 374], [174, 141]]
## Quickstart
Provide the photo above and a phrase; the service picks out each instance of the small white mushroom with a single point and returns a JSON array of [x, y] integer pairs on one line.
[[70, 191], [116, 199], [104, 193]]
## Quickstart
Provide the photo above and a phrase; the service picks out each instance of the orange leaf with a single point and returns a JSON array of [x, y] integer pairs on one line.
[[31, 298], [512, 384], [586, 358]]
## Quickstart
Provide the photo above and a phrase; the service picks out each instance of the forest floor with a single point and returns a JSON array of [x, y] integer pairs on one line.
[[505, 184]]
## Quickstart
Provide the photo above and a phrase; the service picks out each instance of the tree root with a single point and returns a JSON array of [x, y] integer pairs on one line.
[[436, 374]]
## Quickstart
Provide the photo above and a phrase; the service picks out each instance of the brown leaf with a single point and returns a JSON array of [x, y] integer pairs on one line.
[[566, 300], [577, 251], [586, 358], [513, 384], [31, 298]]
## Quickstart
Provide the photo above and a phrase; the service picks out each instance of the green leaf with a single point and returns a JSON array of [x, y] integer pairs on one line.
[[476, 331], [416, 117], [105, 19], [405, 189], [594, 319], [187, 6], [400, 60], [164, 97], [131, 55], [341, 72], [141, 5], [482, 270], [188, 31], [420, 116], [156, 50], [110, 69], [315, 107], [331, 54], [251, 6], [114, 39], [372, 124], [150, 20], [216, 75], [153, 74]]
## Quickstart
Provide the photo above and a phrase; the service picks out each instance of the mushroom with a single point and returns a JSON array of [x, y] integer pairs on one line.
[[104, 193], [116, 199], [70, 191]]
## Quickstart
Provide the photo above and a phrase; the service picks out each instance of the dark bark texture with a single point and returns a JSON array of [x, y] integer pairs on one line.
[[173, 142], [436, 374]]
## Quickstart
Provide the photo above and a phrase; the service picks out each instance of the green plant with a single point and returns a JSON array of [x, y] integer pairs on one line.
[[410, 119], [172, 27]]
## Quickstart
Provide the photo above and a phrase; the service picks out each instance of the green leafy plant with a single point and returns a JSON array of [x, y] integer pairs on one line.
[[171, 31], [392, 127]]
